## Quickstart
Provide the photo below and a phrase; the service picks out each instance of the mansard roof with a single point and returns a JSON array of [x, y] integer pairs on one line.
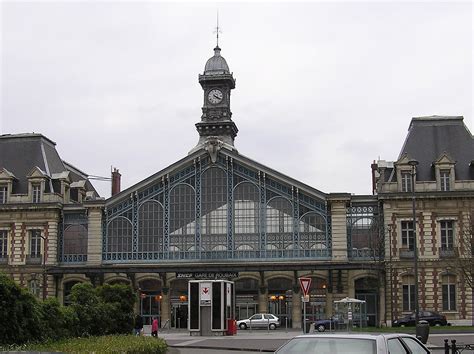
[[224, 153], [431, 137], [20, 153]]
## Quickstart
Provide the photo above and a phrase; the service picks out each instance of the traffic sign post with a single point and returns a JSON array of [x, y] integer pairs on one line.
[[305, 284]]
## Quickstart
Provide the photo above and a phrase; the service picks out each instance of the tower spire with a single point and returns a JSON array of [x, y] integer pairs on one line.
[[217, 31]]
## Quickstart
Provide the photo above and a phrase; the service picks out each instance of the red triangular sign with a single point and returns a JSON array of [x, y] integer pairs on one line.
[[305, 283]]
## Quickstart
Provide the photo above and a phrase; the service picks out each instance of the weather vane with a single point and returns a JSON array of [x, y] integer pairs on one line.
[[217, 31]]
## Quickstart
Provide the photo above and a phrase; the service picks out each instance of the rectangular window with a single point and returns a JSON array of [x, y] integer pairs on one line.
[[3, 243], [408, 297], [36, 191], [406, 182], [3, 194], [35, 243], [447, 235], [408, 238], [444, 180], [449, 297]]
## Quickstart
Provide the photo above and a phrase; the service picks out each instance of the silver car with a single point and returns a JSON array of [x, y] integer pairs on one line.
[[345, 343], [260, 320]]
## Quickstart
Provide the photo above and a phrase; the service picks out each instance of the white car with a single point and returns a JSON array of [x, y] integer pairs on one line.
[[260, 320], [346, 343]]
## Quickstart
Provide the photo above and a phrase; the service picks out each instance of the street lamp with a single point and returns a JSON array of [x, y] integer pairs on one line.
[[413, 163], [44, 267]]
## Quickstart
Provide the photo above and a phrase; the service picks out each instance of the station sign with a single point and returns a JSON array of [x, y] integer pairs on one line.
[[207, 275]]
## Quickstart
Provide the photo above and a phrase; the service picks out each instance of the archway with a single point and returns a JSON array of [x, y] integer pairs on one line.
[[150, 299], [367, 289], [280, 299], [246, 297], [179, 303], [316, 307]]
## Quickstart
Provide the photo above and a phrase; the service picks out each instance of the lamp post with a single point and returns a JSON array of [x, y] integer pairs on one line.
[[413, 163], [44, 267]]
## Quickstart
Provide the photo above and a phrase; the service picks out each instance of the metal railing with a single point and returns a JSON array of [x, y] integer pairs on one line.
[[455, 348]]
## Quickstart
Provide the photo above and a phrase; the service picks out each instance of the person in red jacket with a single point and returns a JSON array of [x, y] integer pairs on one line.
[[154, 327]]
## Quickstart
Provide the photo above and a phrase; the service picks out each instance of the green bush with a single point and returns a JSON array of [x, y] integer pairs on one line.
[[55, 321], [122, 298], [104, 344], [20, 313]]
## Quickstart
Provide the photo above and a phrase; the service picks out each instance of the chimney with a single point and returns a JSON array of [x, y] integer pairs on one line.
[[115, 181]]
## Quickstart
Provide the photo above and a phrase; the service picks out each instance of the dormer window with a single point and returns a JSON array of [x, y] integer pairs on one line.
[[406, 182], [3, 194], [36, 192], [444, 177]]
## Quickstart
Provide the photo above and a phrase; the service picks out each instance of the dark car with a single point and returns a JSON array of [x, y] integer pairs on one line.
[[433, 318], [332, 323]]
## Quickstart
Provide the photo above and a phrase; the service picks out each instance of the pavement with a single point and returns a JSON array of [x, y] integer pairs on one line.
[[180, 341]]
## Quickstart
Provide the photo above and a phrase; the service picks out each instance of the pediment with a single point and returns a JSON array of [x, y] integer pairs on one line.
[[6, 175], [64, 176], [444, 159], [36, 172], [403, 160]]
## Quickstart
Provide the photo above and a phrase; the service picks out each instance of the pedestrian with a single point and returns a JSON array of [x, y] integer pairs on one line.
[[154, 327], [138, 326]]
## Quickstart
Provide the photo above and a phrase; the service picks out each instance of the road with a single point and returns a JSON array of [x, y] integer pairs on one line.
[[250, 342]]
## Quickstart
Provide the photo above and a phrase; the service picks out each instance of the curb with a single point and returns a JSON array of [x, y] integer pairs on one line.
[[223, 348]]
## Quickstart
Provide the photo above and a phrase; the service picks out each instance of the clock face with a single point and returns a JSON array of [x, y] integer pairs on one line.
[[215, 96]]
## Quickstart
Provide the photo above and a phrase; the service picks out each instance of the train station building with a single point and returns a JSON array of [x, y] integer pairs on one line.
[[217, 214]]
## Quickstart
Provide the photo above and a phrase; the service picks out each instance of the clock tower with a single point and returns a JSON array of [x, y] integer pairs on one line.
[[216, 124]]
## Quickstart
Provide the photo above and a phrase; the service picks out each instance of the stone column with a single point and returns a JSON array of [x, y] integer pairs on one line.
[[338, 203], [263, 299], [94, 235], [329, 304], [296, 309], [165, 306]]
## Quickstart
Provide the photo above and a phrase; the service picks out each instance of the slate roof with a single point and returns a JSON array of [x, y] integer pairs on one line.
[[20, 153], [429, 137]]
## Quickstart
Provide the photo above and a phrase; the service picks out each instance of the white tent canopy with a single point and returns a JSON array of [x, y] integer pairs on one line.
[[348, 300]]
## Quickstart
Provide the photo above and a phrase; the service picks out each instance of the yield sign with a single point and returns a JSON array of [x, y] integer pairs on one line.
[[305, 283]]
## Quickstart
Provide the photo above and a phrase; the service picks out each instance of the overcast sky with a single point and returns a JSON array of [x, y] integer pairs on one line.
[[323, 88]]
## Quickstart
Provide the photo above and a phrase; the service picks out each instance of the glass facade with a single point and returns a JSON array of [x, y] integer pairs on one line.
[[365, 238], [217, 210]]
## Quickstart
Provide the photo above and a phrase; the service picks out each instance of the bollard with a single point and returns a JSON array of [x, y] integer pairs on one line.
[[268, 325], [446, 347], [453, 347], [286, 324], [250, 325]]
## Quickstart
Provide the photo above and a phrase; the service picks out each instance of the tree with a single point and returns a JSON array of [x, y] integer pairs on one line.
[[464, 252], [122, 300], [20, 314]]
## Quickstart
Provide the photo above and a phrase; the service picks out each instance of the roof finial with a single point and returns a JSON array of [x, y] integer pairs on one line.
[[217, 31]]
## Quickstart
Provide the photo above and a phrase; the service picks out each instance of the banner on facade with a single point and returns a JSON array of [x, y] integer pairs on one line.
[[207, 275]]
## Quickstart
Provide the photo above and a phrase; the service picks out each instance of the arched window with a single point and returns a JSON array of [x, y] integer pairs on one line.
[[313, 231], [182, 217], [150, 227], [214, 208], [246, 215], [279, 223], [67, 287], [75, 240], [119, 235], [449, 292]]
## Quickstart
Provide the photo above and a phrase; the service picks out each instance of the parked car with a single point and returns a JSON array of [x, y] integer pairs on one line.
[[333, 322], [354, 344], [260, 320], [433, 318]]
